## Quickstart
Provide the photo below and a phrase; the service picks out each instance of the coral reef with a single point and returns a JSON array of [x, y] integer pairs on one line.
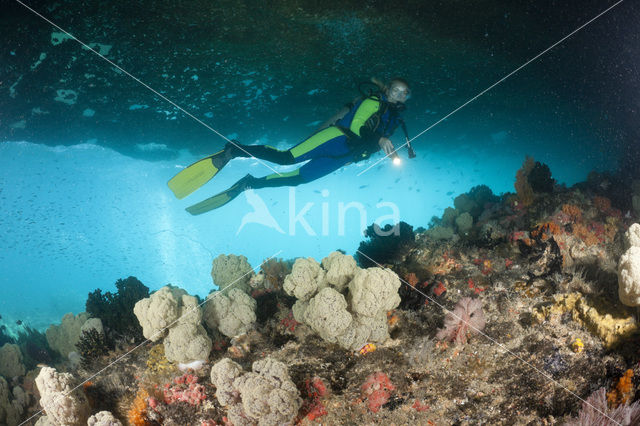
[[162, 310], [34, 347], [273, 272], [184, 389], [137, 414], [522, 185], [157, 363], [611, 324], [540, 280]]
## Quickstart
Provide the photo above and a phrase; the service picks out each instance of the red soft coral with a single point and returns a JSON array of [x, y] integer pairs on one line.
[[185, 389], [377, 389], [467, 317], [312, 407]]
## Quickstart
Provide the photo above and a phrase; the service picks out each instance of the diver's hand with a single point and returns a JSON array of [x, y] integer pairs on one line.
[[386, 145]]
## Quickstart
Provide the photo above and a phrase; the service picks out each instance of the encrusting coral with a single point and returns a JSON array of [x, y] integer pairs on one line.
[[610, 323]]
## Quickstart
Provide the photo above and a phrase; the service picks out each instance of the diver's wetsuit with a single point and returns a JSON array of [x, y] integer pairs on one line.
[[352, 138]]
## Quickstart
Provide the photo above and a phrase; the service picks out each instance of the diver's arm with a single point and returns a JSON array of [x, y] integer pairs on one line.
[[386, 145], [337, 116]]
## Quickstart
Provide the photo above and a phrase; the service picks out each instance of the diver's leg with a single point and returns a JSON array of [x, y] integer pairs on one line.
[[312, 170], [263, 152], [327, 142]]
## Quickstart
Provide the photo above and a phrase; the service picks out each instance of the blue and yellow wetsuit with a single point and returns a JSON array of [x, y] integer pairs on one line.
[[352, 138]]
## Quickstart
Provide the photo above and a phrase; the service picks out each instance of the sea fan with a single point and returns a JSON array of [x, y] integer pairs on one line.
[[467, 317], [596, 412]]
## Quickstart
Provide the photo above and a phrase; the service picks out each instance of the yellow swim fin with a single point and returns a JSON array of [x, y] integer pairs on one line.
[[222, 198], [196, 175], [210, 203]]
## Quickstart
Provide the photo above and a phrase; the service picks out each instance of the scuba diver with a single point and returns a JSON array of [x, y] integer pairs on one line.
[[353, 134]]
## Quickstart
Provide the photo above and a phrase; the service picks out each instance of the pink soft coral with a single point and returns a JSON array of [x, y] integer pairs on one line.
[[467, 317]]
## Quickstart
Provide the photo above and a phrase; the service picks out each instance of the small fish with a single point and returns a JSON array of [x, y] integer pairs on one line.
[[19, 322], [450, 193], [362, 186]]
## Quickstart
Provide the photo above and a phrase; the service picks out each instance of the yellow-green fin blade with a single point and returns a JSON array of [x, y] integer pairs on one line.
[[210, 203], [193, 177]]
